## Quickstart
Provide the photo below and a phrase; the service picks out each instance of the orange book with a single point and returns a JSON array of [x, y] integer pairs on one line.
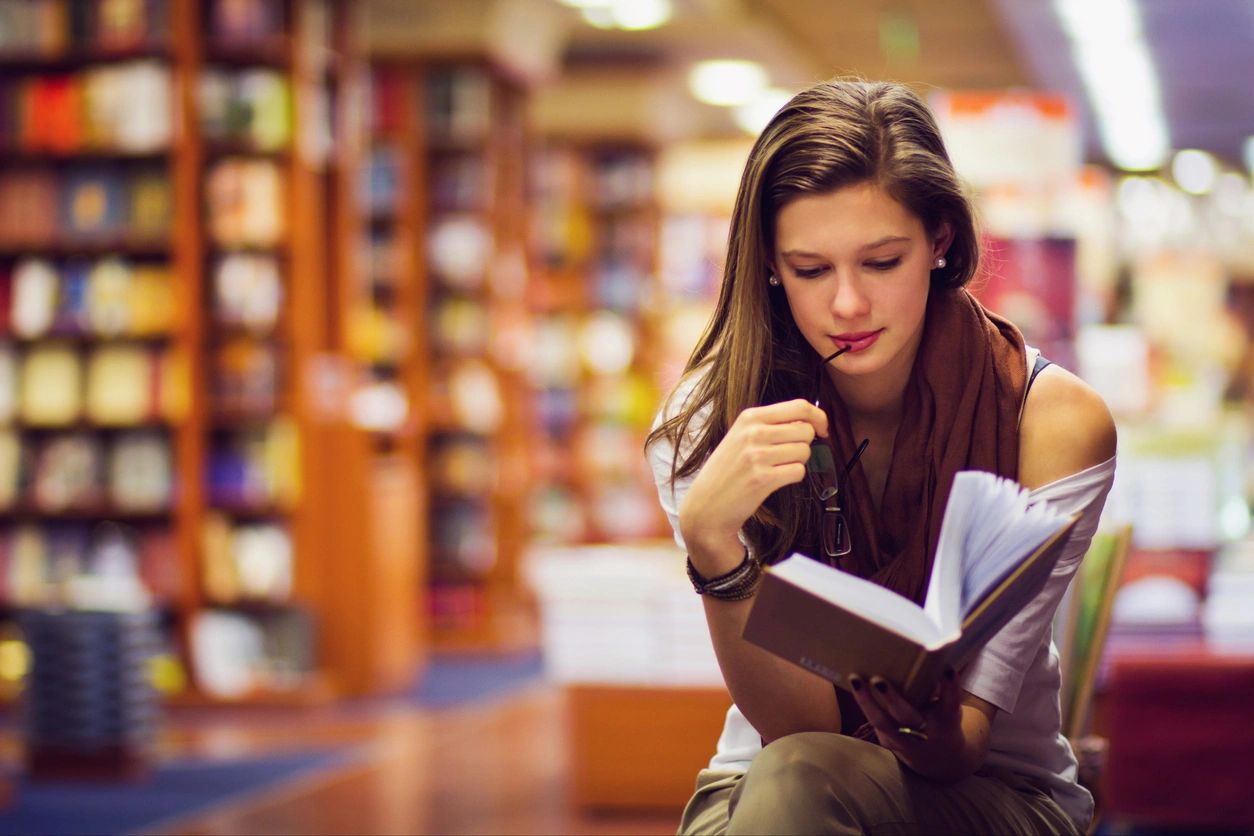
[[994, 555], [63, 119]]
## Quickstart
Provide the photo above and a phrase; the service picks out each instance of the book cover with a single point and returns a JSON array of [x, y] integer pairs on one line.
[[50, 386], [995, 554], [9, 369], [93, 203], [119, 385]]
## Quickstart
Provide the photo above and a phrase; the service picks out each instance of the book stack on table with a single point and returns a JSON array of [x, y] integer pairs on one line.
[[89, 710]]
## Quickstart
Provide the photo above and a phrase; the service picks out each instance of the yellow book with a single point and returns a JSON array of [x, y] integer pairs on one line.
[[994, 555], [51, 387], [8, 384], [120, 385], [108, 297], [150, 301], [10, 466]]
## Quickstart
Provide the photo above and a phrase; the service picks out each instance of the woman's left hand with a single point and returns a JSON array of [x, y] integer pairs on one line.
[[921, 737]]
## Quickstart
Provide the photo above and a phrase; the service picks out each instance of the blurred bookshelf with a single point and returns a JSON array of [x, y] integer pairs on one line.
[[445, 244], [94, 360], [173, 193], [594, 244]]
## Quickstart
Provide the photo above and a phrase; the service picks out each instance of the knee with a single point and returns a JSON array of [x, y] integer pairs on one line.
[[797, 761], [809, 782]]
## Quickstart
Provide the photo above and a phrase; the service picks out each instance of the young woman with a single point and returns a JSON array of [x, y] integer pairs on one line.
[[851, 234]]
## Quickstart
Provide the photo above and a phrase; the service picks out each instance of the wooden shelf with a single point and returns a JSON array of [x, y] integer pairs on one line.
[[26, 156], [256, 606], [222, 420], [81, 338], [251, 510], [28, 512], [86, 427], [218, 148], [34, 61], [87, 247], [351, 499], [272, 52]]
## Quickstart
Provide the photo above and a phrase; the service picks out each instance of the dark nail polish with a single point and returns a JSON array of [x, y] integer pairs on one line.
[[855, 683], [881, 686]]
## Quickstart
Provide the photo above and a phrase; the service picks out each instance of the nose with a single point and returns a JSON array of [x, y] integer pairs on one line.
[[848, 300]]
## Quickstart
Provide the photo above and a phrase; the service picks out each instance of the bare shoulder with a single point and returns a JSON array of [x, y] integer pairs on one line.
[[1066, 428]]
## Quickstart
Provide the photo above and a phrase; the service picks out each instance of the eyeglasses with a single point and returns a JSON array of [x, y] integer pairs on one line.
[[825, 481]]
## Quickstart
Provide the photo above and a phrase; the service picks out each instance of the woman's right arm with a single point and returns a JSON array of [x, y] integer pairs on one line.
[[765, 449]]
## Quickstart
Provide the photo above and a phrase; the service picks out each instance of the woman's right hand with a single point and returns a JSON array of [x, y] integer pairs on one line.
[[766, 448]]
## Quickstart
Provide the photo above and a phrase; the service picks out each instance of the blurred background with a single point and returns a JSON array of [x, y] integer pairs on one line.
[[330, 333]]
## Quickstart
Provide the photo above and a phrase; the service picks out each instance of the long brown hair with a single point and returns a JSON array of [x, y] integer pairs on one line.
[[834, 134]]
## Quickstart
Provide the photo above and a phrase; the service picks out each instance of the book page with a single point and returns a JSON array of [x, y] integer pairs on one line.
[[1003, 530], [861, 597], [987, 529]]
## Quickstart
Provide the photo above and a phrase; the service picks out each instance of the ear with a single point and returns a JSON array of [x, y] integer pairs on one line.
[[943, 239]]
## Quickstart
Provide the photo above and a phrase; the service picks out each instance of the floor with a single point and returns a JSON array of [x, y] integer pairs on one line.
[[490, 767]]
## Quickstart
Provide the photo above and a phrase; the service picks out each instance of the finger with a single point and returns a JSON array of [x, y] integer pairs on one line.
[[787, 411], [790, 432], [785, 474], [948, 694], [771, 455], [891, 731], [895, 705], [872, 710]]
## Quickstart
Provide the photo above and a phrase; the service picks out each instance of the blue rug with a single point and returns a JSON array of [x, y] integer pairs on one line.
[[175, 790], [184, 788], [453, 679]]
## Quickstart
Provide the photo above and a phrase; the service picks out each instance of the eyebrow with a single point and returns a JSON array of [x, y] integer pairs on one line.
[[888, 239]]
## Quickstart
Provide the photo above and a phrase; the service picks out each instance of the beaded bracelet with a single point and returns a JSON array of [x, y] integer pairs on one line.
[[738, 584]]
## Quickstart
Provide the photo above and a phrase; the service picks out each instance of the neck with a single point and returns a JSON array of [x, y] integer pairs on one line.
[[878, 398], [873, 403]]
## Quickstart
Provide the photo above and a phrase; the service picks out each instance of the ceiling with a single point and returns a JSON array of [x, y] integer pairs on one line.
[[1203, 51]]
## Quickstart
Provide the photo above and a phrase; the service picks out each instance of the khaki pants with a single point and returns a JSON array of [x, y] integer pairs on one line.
[[816, 782]]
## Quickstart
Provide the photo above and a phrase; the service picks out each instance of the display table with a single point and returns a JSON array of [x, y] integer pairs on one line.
[[1181, 744], [638, 746]]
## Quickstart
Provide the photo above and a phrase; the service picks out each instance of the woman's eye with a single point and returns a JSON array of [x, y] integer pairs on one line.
[[808, 272], [884, 265]]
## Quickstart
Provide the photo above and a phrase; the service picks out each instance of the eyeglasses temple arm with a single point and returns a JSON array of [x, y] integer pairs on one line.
[[857, 454], [829, 358]]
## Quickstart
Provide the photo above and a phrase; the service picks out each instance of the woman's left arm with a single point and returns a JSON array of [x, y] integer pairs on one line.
[[1066, 429]]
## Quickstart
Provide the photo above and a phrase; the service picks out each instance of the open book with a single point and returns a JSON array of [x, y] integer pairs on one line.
[[994, 555]]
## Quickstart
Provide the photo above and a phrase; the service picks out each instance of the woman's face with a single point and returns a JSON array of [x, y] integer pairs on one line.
[[855, 265]]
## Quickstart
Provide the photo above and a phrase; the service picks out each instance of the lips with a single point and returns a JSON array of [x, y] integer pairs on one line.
[[857, 340]]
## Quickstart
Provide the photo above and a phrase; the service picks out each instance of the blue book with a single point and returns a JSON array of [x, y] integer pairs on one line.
[[94, 203]]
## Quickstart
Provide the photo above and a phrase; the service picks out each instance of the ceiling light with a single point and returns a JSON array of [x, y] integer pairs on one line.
[[1248, 153], [600, 16], [726, 82], [630, 15], [1194, 171], [1098, 20], [754, 115], [638, 15], [1111, 57]]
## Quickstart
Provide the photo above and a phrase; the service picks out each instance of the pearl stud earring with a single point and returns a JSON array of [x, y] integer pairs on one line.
[[941, 262], [773, 280]]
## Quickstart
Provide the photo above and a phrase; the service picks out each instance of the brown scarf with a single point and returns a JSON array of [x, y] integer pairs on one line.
[[961, 412]]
